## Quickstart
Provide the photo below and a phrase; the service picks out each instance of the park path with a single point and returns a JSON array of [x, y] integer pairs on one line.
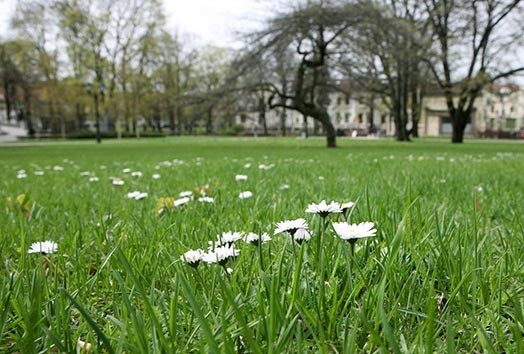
[[8, 133]]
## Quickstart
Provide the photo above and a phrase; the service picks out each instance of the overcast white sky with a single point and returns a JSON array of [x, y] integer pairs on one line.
[[214, 21], [210, 21]]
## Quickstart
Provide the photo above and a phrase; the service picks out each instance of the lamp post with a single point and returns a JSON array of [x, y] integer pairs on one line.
[[97, 91]]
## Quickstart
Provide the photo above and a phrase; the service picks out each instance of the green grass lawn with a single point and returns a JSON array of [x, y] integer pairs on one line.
[[444, 272]]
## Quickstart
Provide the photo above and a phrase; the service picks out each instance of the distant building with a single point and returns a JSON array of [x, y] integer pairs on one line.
[[498, 112], [503, 112], [349, 113]]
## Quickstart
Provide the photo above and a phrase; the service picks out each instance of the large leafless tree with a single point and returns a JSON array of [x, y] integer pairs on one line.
[[314, 30], [476, 43]]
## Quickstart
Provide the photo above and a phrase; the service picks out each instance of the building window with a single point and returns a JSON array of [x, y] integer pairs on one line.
[[511, 109], [492, 108], [243, 118], [347, 100], [445, 125], [511, 123], [347, 117], [339, 118], [339, 101]]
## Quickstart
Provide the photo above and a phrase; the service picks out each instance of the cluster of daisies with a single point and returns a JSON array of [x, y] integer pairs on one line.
[[223, 249], [45, 247], [183, 197]]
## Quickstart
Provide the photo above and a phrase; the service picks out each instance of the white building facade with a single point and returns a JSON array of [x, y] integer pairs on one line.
[[498, 112], [348, 115]]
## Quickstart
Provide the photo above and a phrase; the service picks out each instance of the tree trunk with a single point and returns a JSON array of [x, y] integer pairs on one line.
[[28, 113], [79, 116], [331, 134], [97, 118], [171, 117], [457, 136], [7, 98], [458, 122], [415, 111], [52, 116], [209, 123], [283, 121], [179, 115], [62, 118], [400, 126], [305, 126], [264, 122], [262, 113]]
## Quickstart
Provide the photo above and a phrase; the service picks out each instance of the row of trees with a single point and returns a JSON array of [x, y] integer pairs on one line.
[[116, 60], [113, 60], [393, 50]]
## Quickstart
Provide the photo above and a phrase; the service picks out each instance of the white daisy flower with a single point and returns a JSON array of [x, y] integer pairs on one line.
[[21, 175], [84, 347], [181, 201], [85, 174], [132, 194], [58, 168], [118, 182], [266, 167], [93, 179], [136, 174], [193, 257], [220, 255], [247, 165], [136, 195], [323, 209], [321, 178], [291, 226], [46, 247], [228, 237], [346, 206], [245, 195], [255, 239], [185, 194], [39, 173], [352, 232], [284, 186], [206, 200], [301, 235], [126, 170], [155, 176], [240, 178]]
